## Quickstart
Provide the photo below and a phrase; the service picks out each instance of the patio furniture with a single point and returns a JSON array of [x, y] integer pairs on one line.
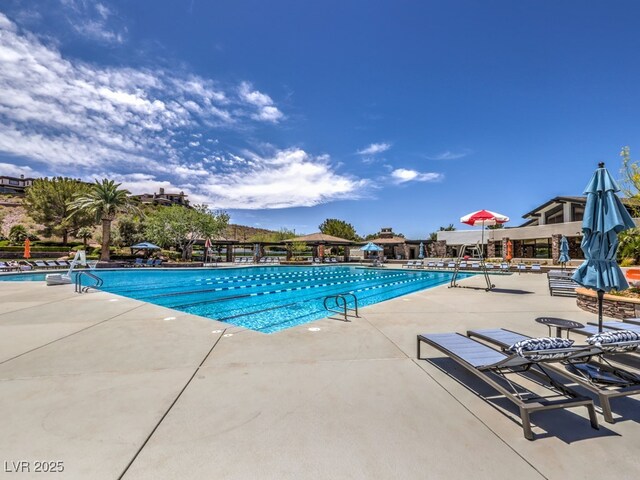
[[8, 267], [599, 377], [157, 262], [410, 264], [149, 263], [52, 264], [561, 283], [560, 324], [504, 267], [492, 366], [41, 264], [138, 262], [536, 267]]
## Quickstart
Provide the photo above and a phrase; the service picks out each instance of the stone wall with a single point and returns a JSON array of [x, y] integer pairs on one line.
[[438, 249], [612, 306]]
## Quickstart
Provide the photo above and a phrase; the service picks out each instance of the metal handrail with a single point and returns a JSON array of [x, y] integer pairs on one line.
[[341, 302], [80, 288]]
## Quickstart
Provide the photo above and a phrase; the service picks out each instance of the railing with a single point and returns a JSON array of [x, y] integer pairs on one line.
[[80, 288], [340, 302]]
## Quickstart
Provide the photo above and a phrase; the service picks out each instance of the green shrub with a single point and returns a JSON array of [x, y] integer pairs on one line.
[[627, 262]]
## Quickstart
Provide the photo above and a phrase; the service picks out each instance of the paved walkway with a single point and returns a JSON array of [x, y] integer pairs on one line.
[[116, 388]]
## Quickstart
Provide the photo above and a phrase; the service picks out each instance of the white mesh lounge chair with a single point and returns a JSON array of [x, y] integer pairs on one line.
[[600, 377], [492, 366]]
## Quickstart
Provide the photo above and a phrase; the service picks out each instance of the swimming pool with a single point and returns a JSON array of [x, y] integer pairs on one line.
[[266, 299]]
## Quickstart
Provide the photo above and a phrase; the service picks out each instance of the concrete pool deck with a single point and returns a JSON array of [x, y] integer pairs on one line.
[[116, 388]]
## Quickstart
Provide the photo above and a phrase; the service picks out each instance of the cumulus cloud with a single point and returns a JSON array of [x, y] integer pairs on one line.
[[448, 155], [288, 178], [403, 175], [375, 148]]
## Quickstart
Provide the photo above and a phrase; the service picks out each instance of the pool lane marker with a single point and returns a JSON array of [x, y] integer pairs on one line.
[[238, 287]]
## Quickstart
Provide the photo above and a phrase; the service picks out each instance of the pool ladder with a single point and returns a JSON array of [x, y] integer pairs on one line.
[[85, 289], [340, 305]]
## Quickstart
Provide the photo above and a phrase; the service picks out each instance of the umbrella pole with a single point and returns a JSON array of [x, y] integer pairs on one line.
[[600, 301]]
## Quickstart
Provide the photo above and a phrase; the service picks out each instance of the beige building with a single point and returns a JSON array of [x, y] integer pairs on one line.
[[15, 185], [537, 238]]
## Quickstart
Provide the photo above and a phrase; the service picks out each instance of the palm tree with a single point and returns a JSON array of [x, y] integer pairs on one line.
[[105, 201]]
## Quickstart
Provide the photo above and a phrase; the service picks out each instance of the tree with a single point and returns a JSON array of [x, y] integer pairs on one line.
[[180, 227], [131, 229], [105, 200], [48, 201], [298, 249], [18, 234], [338, 228], [497, 226], [85, 234], [630, 183], [273, 237], [434, 235]]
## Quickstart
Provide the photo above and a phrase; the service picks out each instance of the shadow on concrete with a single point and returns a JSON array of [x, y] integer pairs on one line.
[[563, 424], [512, 291]]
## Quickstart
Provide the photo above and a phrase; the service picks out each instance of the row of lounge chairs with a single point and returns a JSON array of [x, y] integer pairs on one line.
[[23, 265], [326, 260], [549, 363], [250, 260], [139, 262], [473, 265], [561, 283]]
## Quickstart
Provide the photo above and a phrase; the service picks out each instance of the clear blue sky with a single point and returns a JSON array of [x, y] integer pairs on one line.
[[403, 114]]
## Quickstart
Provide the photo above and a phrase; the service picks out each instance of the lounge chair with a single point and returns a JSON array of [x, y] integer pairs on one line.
[[41, 264], [149, 262], [410, 264], [451, 265], [489, 266], [599, 377], [262, 260], [157, 262], [8, 267], [492, 366], [334, 260], [138, 263], [536, 267], [561, 283], [504, 267], [52, 264], [440, 264], [462, 265], [431, 264], [418, 264], [521, 267], [63, 263], [276, 260]]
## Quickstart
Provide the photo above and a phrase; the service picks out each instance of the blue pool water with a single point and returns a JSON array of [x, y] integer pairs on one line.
[[266, 299]]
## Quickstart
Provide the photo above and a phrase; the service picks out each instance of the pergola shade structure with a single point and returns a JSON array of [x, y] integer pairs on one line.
[[315, 240]]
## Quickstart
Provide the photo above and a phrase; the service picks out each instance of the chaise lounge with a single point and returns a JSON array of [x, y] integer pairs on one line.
[[599, 377], [492, 366]]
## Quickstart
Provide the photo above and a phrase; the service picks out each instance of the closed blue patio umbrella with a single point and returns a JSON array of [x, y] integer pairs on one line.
[[604, 218], [421, 252], [564, 251]]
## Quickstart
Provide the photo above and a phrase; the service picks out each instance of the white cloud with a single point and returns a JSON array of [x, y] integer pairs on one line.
[[63, 112], [11, 170], [375, 148], [149, 129], [448, 155], [288, 178], [266, 111], [93, 20], [403, 175]]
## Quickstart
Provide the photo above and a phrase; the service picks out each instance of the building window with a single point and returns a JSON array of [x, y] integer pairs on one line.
[[14, 182], [555, 215], [577, 212]]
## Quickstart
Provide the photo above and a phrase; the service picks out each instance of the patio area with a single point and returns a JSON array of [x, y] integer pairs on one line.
[[116, 388]]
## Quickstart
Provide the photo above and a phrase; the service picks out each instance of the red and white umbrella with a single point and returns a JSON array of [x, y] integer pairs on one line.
[[484, 218]]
